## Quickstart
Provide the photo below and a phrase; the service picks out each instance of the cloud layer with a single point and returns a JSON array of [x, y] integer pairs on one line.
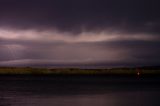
[[79, 32]]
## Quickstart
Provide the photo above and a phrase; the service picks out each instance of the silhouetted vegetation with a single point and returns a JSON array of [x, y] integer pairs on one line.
[[78, 71]]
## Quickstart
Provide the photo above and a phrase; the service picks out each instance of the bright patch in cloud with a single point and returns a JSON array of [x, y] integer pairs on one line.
[[49, 36]]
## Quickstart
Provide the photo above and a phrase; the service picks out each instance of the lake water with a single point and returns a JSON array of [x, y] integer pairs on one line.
[[79, 91]]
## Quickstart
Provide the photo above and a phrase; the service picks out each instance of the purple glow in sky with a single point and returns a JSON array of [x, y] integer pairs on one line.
[[79, 33]]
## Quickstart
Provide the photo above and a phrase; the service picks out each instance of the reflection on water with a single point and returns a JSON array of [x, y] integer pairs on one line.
[[78, 91]]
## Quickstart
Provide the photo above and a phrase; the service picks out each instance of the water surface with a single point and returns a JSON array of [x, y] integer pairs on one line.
[[79, 91]]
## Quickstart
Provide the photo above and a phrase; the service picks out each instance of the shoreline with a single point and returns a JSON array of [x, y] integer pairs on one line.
[[80, 72]]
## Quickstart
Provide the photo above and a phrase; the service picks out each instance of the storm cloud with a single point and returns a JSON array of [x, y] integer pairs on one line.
[[79, 32]]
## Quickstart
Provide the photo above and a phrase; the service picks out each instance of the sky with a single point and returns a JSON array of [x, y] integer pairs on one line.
[[83, 33]]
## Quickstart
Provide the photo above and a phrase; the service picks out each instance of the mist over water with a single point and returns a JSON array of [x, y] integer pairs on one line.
[[78, 91]]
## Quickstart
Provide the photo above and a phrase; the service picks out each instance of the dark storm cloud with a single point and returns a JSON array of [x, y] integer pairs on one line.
[[80, 32], [129, 16]]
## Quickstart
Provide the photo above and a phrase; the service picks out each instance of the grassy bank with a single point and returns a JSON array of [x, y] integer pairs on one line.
[[77, 71]]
